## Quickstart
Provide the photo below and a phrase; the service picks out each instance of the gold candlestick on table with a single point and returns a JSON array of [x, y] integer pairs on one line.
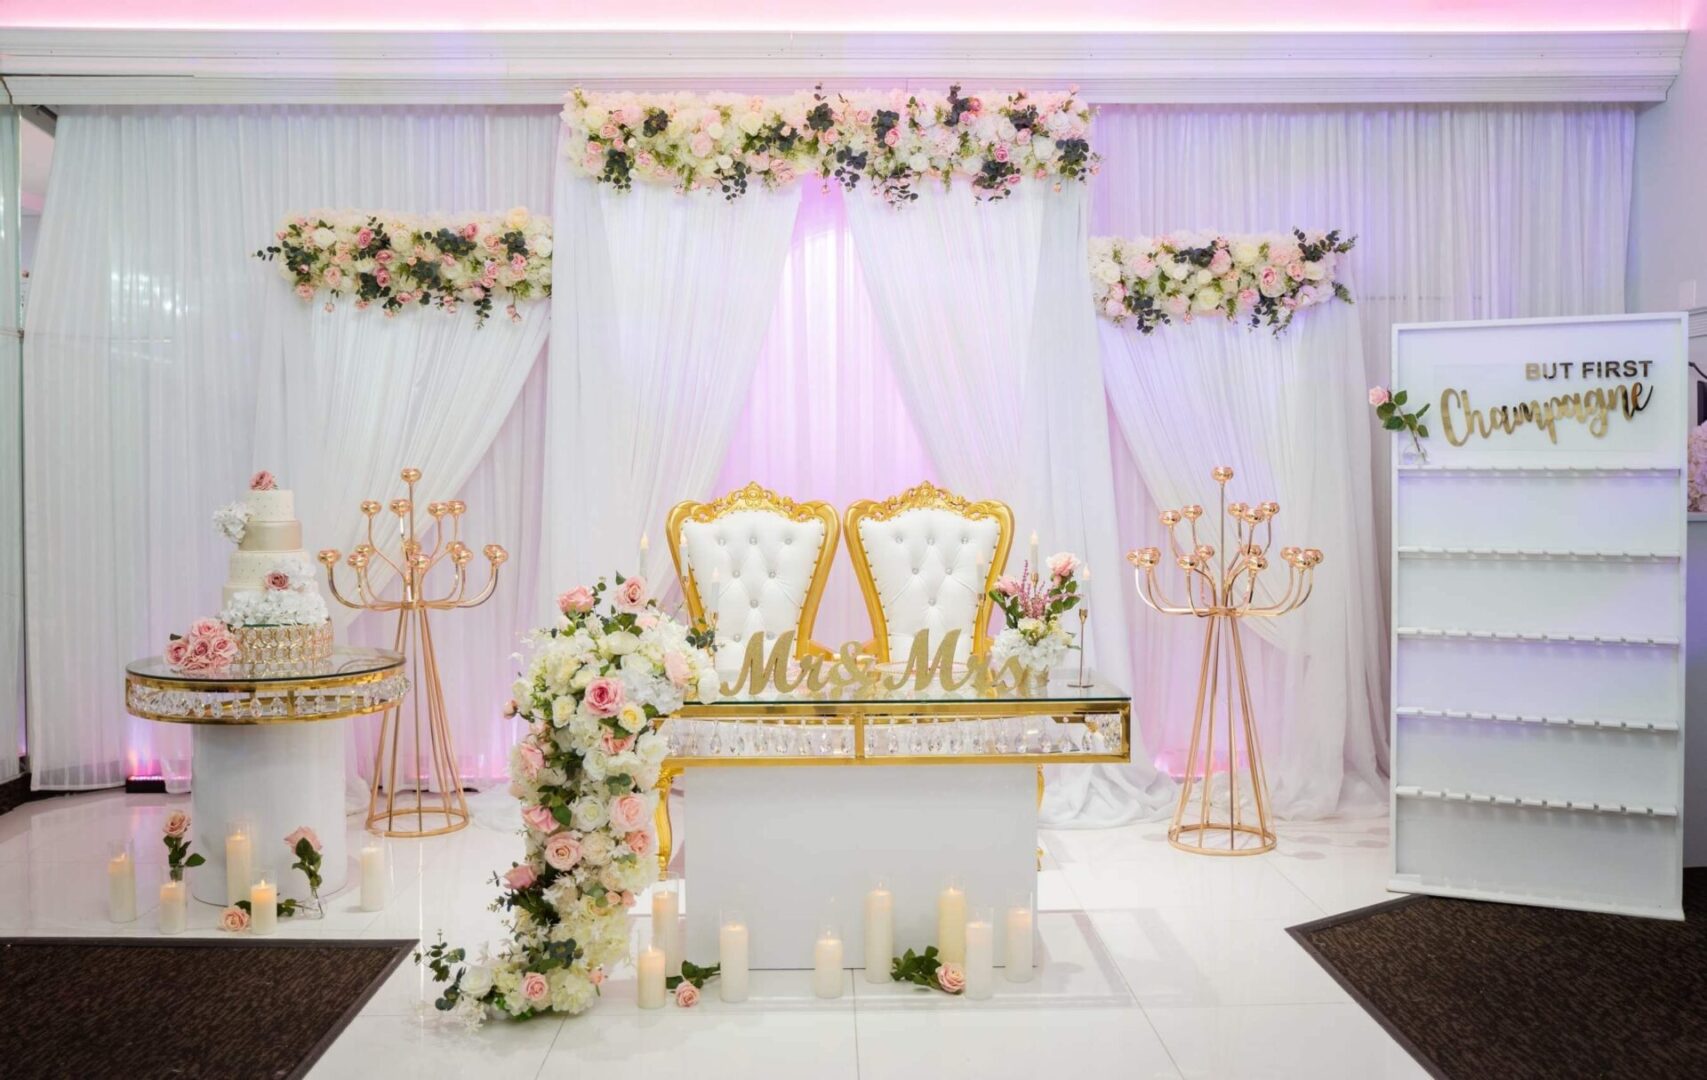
[[415, 639], [1221, 588]]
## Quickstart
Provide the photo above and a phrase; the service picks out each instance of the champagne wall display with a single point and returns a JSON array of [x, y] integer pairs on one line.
[[1538, 612]]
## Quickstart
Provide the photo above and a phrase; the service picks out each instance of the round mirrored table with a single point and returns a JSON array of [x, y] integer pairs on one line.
[[267, 757]]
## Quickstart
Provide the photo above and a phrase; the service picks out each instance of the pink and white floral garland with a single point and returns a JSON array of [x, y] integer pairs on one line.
[[586, 774], [395, 260], [1263, 279], [895, 140]]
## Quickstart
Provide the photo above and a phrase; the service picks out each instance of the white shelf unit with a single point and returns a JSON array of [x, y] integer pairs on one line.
[[1538, 625]]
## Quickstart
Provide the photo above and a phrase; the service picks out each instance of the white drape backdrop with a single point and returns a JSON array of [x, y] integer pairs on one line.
[[986, 311], [11, 458], [1287, 413], [661, 302], [1461, 212], [143, 391]]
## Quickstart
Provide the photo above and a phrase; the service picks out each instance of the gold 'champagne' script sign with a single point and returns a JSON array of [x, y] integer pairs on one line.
[[1592, 407], [851, 669]]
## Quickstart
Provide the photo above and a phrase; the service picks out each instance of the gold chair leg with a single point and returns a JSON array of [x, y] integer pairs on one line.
[[666, 777], [1040, 807]]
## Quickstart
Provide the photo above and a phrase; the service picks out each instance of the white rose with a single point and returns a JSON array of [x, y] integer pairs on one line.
[[632, 718], [1207, 299], [596, 848], [1245, 253], [918, 162], [588, 814], [725, 162], [1201, 278], [1106, 271], [583, 678], [477, 981], [710, 685], [595, 116], [620, 643], [323, 237], [751, 122], [562, 710], [714, 129], [1043, 147], [1030, 625], [1314, 271], [540, 245]]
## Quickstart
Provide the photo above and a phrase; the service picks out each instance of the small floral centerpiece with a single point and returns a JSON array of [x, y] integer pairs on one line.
[[1390, 410], [1033, 606], [586, 772], [232, 521], [207, 649], [177, 838], [305, 845]]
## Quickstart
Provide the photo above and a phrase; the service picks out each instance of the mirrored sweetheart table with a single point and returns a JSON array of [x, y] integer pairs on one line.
[[267, 754], [773, 831]]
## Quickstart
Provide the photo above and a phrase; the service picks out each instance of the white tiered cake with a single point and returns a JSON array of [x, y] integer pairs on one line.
[[272, 602]]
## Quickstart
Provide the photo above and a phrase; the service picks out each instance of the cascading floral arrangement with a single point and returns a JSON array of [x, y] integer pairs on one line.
[[395, 260], [1032, 607], [1257, 278], [895, 140], [586, 773]]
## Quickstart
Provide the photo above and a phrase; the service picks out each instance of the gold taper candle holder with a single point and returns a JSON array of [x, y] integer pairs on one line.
[[1221, 588], [415, 639]]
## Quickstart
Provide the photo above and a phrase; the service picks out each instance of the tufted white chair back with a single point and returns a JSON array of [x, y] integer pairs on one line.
[[926, 561], [758, 561]]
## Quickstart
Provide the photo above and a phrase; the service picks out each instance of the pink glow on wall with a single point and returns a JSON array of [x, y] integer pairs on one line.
[[870, 14]]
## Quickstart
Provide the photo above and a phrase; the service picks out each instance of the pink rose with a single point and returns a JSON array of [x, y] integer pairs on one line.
[[535, 990], [631, 595], [604, 696], [642, 842], [382, 277], [334, 276], [177, 824], [611, 743], [1001, 153], [520, 877], [687, 994], [1113, 307], [1378, 395], [518, 263], [202, 628], [1220, 262], [177, 651], [470, 231], [278, 581], [364, 237], [305, 291], [1247, 298], [1023, 137], [201, 650], [625, 898], [951, 978], [384, 258], [263, 481], [596, 976], [580, 598], [1007, 586], [1295, 270], [676, 669], [700, 145], [538, 818], [562, 850], [892, 137], [1271, 282], [224, 647], [628, 813], [783, 172], [511, 708], [828, 136], [1062, 564], [302, 833], [234, 919], [533, 759]]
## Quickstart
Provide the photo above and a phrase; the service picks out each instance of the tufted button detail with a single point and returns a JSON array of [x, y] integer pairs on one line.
[[735, 573], [752, 540], [915, 571], [773, 573], [755, 604], [721, 541], [930, 540], [788, 540]]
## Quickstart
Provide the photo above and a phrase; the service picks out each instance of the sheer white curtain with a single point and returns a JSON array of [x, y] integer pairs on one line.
[[1286, 412], [11, 462], [143, 389], [349, 398], [660, 303], [986, 312], [1461, 212], [825, 417]]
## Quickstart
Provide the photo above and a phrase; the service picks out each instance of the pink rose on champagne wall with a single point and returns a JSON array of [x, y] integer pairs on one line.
[[263, 481], [631, 595], [604, 696], [629, 812]]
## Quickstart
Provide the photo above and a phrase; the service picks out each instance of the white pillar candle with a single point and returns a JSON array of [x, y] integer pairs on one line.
[[373, 878], [951, 926], [645, 546], [666, 929], [174, 911], [879, 934], [1031, 558], [651, 965], [827, 965], [121, 887], [263, 907], [980, 958], [1017, 946], [732, 977], [238, 869]]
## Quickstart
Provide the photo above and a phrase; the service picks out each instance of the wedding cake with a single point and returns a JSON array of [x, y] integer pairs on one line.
[[272, 603]]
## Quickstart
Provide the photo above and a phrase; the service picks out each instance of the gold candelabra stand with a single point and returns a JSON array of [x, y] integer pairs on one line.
[[431, 731], [1221, 588]]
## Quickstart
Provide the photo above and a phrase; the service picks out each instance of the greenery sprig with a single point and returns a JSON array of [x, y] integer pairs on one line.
[[1390, 410]]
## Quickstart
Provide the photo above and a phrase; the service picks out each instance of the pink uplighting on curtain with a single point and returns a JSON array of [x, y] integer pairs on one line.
[[825, 418]]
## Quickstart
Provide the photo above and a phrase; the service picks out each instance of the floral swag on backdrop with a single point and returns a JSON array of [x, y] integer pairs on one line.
[[586, 774], [394, 260], [894, 140], [1260, 278]]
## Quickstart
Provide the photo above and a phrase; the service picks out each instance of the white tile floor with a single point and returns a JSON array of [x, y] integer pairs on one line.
[[1156, 964]]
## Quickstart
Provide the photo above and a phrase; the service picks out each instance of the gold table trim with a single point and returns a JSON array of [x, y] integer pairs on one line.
[[286, 690]]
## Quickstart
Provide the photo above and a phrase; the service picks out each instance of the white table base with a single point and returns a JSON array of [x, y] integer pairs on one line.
[[276, 777], [779, 844]]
